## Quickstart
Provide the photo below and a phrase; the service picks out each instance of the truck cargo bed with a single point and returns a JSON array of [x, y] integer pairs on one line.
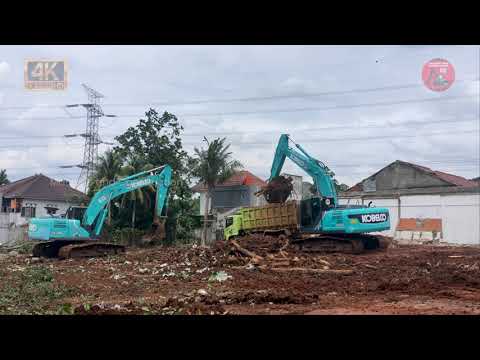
[[271, 216]]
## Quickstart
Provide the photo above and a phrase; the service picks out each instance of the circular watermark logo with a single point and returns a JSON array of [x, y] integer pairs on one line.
[[438, 74]]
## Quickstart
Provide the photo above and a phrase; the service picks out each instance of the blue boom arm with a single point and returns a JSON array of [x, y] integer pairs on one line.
[[97, 210], [313, 167]]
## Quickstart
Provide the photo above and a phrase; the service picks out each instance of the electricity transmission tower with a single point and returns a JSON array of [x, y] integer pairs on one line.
[[92, 138]]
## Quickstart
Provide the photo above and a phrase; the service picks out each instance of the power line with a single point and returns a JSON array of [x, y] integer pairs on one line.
[[306, 109], [460, 161], [281, 97], [342, 127], [253, 98], [387, 103], [472, 132], [234, 142], [26, 147]]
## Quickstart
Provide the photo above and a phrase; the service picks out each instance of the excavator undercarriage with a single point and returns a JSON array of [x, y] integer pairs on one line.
[[66, 249], [344, 243]]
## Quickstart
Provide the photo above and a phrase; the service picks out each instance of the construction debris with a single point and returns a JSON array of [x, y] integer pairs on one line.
[[219, 276], [225, 279]]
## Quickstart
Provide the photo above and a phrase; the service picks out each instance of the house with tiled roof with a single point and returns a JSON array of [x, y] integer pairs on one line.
[[236, 191], [417, 195], [35, 196]]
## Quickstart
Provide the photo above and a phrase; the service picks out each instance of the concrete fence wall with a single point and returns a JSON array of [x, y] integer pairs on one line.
[[460, 213]]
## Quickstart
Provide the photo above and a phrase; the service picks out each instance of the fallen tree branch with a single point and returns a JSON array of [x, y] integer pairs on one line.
[[315, 271], [281, 263], [245, 251]]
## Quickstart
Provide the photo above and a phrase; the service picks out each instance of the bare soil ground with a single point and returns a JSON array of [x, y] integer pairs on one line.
[[412, 279]]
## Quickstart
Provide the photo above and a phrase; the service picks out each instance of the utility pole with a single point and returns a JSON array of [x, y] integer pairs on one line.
[[92, 138]]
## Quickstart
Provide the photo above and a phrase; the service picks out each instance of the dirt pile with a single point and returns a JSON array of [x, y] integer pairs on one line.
[[253, 275]]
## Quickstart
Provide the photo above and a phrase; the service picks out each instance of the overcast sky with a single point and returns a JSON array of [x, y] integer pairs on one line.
[[299, 90]]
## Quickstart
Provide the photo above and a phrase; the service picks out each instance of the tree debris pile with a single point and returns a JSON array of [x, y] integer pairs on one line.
[[247, 276], [277, 190]]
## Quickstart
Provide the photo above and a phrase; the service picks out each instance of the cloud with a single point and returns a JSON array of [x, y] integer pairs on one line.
[[4, 69], [147, 74]]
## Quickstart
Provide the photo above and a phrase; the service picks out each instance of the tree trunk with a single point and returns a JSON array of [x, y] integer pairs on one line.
[[133, 213], [109, 220], [205, 219]]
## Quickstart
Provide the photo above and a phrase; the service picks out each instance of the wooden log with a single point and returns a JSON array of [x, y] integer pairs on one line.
[[245, 251], [314, 271], [281, 263]]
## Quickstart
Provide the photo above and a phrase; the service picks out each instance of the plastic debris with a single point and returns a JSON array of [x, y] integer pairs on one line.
[[219, 276]]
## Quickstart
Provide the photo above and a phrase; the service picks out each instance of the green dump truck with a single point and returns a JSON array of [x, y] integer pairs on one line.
[[271, 217], [311, 226]]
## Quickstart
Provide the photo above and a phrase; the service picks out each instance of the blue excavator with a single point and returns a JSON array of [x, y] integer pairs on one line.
[[325, 224], [70, 238]]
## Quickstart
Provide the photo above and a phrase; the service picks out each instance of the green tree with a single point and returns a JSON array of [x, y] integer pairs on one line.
[[3, 177], [106, 172], [156, 140], [213, 165], [134, 165], [338, 186]]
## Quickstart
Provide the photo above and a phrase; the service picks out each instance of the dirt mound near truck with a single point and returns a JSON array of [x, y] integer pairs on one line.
[[227, 279]]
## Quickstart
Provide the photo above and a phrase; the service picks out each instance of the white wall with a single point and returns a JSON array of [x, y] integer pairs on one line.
[[460, 213], [40, 206], [421, 206], [7, 231], [9, 224], [461, 218]]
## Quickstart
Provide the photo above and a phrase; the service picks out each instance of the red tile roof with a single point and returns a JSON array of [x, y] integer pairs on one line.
[[243, 177], [40, 187], [449, 178], [454, 179]]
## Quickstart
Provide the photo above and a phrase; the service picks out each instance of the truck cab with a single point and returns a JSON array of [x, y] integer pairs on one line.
[[233, 226]]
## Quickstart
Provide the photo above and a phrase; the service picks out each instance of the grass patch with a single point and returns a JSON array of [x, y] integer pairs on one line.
[[31, 291]]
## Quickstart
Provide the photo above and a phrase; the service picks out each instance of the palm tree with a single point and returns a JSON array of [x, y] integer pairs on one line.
[[3, 177], [213, 165], [135, 165], [107, 172]]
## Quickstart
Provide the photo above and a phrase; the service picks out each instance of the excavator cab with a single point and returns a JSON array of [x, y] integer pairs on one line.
[[75, 212]]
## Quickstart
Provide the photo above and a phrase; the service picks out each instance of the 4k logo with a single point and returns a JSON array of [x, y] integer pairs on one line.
[[41, 75]]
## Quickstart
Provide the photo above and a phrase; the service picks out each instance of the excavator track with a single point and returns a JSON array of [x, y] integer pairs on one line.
[[65, 249], [93, 249], [342, 243]]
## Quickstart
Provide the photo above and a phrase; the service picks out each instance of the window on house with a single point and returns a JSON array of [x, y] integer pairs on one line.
[[51, 210], [28, 211]]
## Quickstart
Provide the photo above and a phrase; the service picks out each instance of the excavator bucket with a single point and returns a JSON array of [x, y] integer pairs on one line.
[[277, 190]]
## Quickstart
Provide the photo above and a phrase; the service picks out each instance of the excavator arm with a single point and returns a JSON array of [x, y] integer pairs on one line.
[[97, 210], [315, 168]]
